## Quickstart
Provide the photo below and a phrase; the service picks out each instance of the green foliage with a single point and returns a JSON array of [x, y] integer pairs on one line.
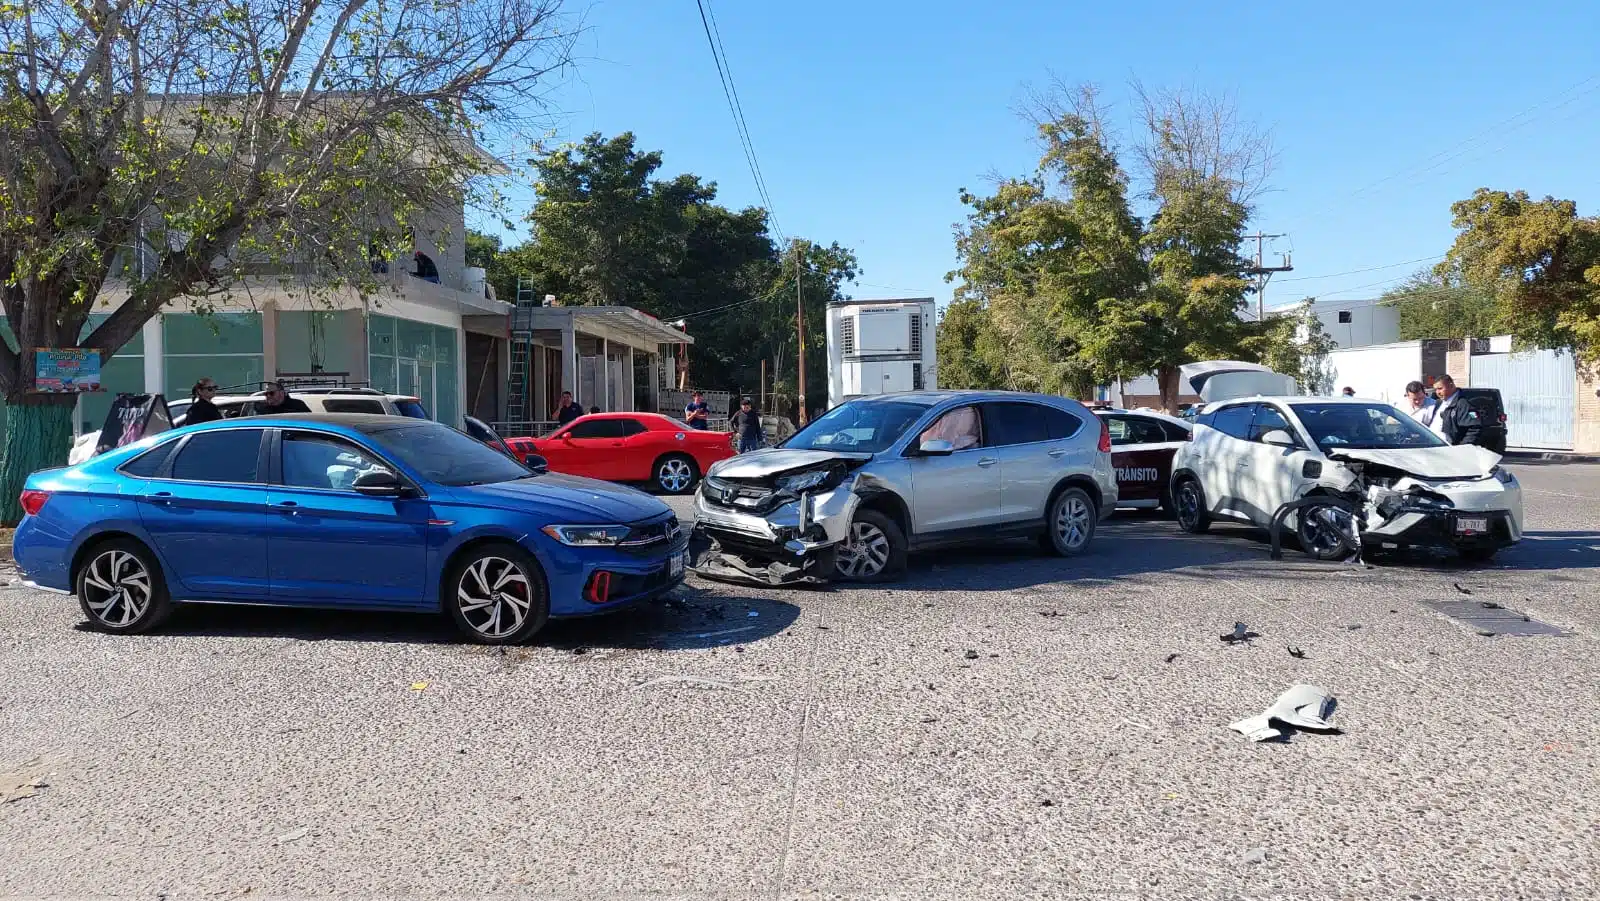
[[1442, 306], [1295, 343], [606, 230], [1063, 286], [1539, 259]]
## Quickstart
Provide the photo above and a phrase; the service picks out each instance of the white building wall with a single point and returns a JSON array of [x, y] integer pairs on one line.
[[1379, 372], [1370, 323]]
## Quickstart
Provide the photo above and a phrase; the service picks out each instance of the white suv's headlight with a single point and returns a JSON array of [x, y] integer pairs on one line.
[[588, 536], [1505, 477], [804, 481]]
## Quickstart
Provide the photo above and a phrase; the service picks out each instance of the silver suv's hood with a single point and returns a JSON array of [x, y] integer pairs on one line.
[[774, 461], [1457, 462]]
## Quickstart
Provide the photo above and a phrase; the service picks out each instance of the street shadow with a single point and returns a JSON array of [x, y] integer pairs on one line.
[[688, 618]]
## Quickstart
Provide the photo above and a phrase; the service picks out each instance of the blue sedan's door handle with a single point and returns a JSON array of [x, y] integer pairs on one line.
[[163, 498], [288, 508]]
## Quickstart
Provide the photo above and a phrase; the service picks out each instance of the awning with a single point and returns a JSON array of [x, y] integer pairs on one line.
[[623, 324]]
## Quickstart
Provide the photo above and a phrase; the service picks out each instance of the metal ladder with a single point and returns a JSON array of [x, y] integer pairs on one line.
[[517, 409]]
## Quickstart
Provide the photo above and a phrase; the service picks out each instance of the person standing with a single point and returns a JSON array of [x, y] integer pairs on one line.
[[697, 413], [278, 401], [1454, 420], [747, 425], [201, 409], [568, 409], [1348, 391], [1419, 405]]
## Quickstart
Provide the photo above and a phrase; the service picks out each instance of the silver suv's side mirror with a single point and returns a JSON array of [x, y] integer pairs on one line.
[[935, 447], [1278, 438]]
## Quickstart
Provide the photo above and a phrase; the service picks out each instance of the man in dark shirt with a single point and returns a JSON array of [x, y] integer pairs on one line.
[[747, 425], [568, 410], [279, 401], [698, 413]]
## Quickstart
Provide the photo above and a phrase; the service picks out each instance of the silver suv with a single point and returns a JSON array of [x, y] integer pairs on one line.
[[874, 478]]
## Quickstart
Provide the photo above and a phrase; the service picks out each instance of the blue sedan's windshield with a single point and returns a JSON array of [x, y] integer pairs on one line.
[[864, 427], [443, 455]]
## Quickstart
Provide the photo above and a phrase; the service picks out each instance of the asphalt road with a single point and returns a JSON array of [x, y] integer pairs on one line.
[[752, 743]]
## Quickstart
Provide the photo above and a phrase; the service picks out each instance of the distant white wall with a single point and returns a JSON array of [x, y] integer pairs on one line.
[[1379, 372], [1368, 323]]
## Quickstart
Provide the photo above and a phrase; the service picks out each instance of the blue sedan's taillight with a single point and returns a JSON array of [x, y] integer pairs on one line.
[[33, 501]]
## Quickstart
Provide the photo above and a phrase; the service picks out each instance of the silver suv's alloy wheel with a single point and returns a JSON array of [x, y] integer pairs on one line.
[[865, 552], [1073, 522], [675, 475], [117, 588], [494, 596]]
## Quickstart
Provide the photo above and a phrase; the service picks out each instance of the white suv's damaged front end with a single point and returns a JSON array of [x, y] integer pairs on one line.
[[776, 516], [1448, 497]]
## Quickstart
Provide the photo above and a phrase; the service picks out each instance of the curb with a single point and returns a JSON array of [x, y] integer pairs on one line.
[[1552, 456]]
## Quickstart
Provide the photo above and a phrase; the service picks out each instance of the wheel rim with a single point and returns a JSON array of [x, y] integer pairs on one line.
[[1322, 529], [116, 588], [494, 596], [864, 553], [676, 475], [1188, 504], [1073, 522]]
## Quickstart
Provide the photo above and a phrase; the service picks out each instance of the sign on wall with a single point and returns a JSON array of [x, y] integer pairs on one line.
[[66, 370]]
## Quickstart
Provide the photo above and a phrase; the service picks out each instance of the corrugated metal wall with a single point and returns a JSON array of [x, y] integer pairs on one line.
[[1540, 393]]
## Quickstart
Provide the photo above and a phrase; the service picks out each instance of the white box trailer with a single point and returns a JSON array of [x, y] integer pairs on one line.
[[880, 347]]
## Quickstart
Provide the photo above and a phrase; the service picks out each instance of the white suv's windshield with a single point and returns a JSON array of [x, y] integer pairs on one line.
[[1363, 426], [863, 427]]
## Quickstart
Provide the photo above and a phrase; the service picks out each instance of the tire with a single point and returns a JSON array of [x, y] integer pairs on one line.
[[110, 583], [481, 594], [1315, 536], [1069, 523], [674, 474], [1477, 554], [873, 551], [1189, 506]]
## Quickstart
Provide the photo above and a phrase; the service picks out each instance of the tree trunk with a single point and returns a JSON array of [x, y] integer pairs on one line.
[[1167, 379], [38, 436]]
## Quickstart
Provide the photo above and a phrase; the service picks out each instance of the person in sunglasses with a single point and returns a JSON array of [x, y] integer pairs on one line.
[[279, 401], [202, 409]]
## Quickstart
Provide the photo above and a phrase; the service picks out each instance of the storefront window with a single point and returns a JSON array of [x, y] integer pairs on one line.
[[416, 359], [226, 347]]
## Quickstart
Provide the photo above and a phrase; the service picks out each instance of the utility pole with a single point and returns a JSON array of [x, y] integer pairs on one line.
[[800, 332], [763, 407], [1263, 273]]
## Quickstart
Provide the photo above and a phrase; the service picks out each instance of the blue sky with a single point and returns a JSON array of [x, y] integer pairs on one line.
[[869, 116]]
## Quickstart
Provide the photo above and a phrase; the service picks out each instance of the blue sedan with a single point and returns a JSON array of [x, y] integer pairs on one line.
[[344, 511]]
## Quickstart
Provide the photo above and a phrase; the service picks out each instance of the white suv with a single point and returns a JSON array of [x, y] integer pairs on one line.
[[1389, 481]]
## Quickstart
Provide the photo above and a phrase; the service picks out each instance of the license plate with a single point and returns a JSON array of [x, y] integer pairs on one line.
[[1472, 525], [676, 564]]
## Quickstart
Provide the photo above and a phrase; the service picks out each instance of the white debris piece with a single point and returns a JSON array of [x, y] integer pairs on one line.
[[1301, 707]]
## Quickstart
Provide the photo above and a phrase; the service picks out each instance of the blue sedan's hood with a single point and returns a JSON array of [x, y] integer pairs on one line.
[[577, 501]]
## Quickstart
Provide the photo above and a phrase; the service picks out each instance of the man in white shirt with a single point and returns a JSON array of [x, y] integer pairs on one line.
[[1452, 421], [1421, 407]]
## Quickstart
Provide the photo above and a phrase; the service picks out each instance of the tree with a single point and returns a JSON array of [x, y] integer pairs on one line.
[[971, 354], [607, 230], [1443, 306], [1296, 343], [1080, 288], [178, 149], [1539, 259]]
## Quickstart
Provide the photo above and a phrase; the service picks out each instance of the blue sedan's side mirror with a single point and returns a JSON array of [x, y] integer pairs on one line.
[[378, 483], [536, 463]]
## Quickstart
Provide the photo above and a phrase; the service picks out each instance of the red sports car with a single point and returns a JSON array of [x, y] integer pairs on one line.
[[631, 447]]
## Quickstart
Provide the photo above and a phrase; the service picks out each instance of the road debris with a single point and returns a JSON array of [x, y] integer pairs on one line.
[[1241, 632], [294, 835], [1047, 803], [1460, 589], [1139, 725], [1030, 733], [971, 654], [1490, 605], [1295, 652], [25, 790], [1171, 657], [419, 686], [706, 682], [1351, 627], [1302, 707], [1255, 855], [579, 651], [930, 719]]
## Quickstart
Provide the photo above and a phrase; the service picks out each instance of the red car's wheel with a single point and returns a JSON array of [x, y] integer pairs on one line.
[[675, 473]]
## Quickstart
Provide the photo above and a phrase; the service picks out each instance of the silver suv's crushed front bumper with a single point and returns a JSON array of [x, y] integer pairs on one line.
[[794, 541]]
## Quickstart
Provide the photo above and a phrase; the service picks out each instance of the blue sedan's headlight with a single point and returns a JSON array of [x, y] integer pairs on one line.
[[588, 536], [1505, 477]]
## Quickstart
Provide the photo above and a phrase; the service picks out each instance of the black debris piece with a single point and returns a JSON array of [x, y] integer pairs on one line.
[[1049, 612], [971, 654], [1241, 632], [822, 627], [930, 719], [1490, 605], [1047, 803], [1352, 627], [1296, 653], [738, 649], [580, 650], [1171, 657], [1460, 589]]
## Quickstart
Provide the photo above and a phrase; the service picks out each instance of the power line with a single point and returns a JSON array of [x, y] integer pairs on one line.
[[1312, 278], [730, 92]]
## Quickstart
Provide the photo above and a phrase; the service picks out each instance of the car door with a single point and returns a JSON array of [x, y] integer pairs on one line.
[[325, 542], [638, 451], [1226, 450], [1267, 478], [588, 447], [1141, 453], [1031, 461], [206, 511], [959, 490]]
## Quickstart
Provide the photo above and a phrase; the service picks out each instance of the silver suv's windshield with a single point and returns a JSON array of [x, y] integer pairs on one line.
[[1363, 427], [863, 427]]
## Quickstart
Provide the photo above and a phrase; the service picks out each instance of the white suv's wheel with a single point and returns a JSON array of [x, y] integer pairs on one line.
[[1190, 500]]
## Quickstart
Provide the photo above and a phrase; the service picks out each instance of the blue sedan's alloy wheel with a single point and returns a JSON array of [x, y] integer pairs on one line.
[[120, 588], [497, 595]]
